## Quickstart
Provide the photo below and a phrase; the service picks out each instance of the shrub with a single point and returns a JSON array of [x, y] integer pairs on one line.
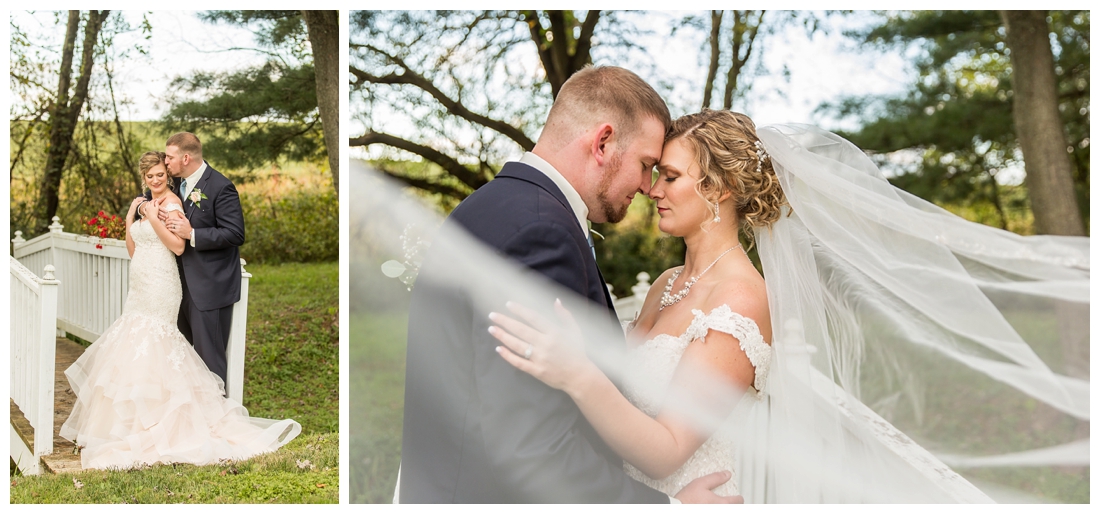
[[301, 226]]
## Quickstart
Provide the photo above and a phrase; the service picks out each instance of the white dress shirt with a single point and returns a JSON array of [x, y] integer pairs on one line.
[[191, 181], [580, 209]]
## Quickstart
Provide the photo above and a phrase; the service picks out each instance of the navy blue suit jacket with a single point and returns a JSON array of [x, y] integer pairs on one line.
[[477, 430], [212, 269]]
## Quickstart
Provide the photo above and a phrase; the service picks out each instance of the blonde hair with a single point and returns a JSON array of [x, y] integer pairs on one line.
[[617, 93], [727, 152], [148, 161]]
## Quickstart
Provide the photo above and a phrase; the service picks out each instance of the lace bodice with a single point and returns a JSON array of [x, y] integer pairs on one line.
[[155, 289], [652, 366]]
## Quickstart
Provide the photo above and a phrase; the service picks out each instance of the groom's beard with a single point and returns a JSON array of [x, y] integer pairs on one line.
[[611, 213]]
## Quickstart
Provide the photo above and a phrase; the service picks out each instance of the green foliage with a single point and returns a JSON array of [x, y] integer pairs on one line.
[[280, 95], [626, 252], [958, 114], [376, 384], [292, 364], [101, 175], [298, 226], [279, 477], [256, 115]]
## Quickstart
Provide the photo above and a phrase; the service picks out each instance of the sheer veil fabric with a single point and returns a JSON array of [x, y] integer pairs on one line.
[[970, 340], [909, 345]]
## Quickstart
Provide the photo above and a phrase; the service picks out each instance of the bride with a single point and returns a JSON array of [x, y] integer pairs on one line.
[[143, 395], [873, 296]]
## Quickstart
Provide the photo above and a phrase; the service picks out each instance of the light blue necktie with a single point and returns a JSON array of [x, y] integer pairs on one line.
[[183, 187], [591, 245]]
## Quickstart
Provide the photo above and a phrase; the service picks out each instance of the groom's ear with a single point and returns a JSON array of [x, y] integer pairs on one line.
[[600, 149]]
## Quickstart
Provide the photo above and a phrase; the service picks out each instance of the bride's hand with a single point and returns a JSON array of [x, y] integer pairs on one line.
[[556, 357]]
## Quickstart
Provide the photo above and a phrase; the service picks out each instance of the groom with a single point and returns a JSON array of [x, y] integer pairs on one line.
[[210, 266], [476, 430]]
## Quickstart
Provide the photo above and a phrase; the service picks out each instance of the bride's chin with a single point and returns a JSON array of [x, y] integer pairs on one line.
[[669, 230]]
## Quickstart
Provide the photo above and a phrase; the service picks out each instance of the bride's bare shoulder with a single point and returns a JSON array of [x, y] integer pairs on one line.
[[745, 295]]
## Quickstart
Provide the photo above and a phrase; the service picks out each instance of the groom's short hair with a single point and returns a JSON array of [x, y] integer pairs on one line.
[[187, 142], [615, 93]]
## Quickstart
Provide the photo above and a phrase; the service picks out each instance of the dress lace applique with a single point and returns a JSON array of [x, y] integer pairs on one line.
[[652, 366], [723, 319]]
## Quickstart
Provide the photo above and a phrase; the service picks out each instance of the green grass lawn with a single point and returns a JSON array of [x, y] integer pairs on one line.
[[377, 393], [291, 371]]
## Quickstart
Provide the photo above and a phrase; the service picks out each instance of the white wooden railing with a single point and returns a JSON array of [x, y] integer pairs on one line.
[[32, 345], [862, 429], [94, 275]]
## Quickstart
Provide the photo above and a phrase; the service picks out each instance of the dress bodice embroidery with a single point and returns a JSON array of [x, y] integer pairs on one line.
[[651, 367]]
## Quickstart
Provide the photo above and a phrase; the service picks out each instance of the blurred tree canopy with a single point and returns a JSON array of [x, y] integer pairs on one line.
[[958, 116], [266, 112]]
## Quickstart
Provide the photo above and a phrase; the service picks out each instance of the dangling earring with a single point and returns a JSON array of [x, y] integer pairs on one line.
[[717, 218]]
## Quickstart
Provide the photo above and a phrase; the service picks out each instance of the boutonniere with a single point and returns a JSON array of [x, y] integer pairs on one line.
[[196, 196]]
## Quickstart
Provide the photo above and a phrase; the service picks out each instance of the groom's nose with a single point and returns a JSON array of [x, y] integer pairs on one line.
[[646, 183]]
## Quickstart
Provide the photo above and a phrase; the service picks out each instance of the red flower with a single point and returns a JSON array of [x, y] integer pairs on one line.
[[103, 232], [98, 246], [93, 221], [102, 215]]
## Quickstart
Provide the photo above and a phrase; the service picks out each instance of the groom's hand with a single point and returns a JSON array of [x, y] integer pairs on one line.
[[180, 227], [700, 490], [161, 213]]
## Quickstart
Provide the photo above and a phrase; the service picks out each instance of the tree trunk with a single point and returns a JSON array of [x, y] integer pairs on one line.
[[561, 54], [743, 37], [715, 49], [324, 37], [65, 113], [1039, 127]]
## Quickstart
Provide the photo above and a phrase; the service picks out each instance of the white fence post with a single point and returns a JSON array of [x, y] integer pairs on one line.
[[234, 352], [47, 348], [32, 349]]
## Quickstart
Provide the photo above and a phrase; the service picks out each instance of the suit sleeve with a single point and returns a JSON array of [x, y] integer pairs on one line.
[[532, 433], [229, 222]]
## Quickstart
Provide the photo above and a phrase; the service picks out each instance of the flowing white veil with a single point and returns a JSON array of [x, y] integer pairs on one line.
[[892, 316], [909, 344]]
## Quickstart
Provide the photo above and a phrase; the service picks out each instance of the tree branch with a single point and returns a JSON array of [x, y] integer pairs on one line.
[[454, 107], [583, 54], [449, 164], [426, 185]]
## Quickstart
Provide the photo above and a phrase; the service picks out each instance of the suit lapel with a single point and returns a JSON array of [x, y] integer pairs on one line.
[[516, 170]]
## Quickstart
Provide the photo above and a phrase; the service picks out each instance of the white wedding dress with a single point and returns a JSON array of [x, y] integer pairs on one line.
[[649, 373], [144, 396]]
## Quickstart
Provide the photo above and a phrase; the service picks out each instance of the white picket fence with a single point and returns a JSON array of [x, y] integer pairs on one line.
[[32, 346], [89, 282], [862, 429]]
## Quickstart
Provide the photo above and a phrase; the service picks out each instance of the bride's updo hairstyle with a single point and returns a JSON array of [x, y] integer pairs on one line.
[[729, 158], [148, 161]]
